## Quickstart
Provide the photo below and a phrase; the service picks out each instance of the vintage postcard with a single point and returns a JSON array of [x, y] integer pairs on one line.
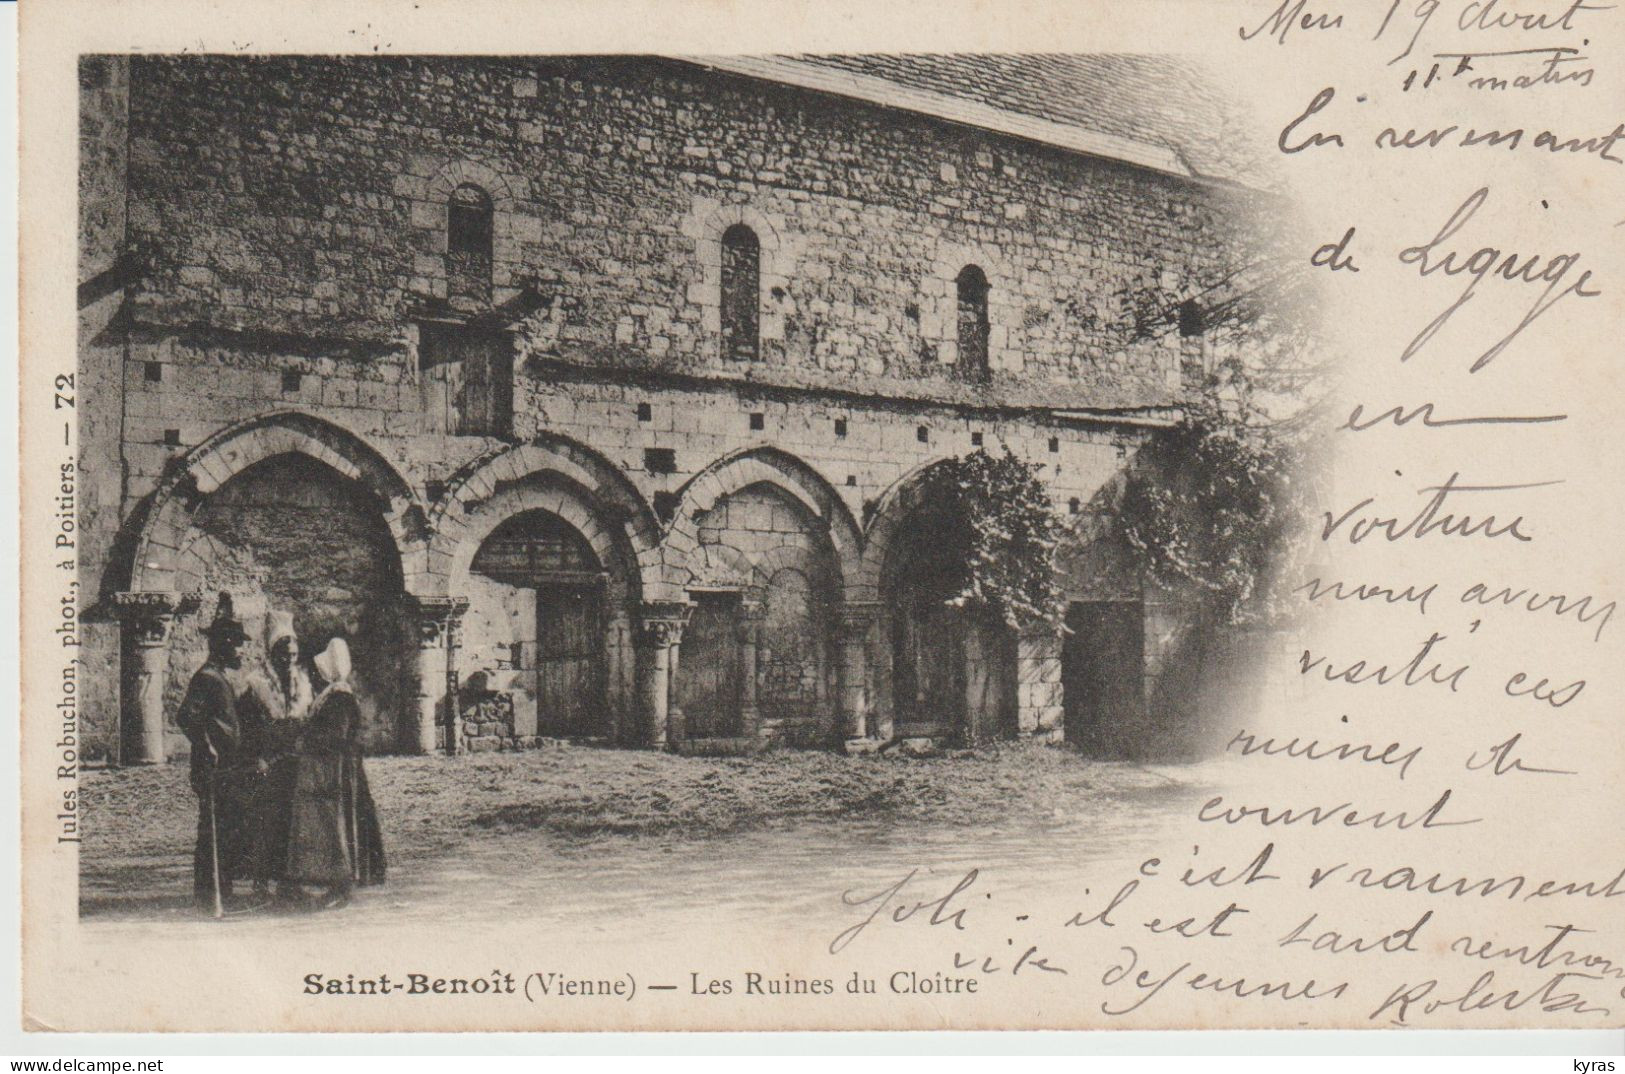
[[712, 516]]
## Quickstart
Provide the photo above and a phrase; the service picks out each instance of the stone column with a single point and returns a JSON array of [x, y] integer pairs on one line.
[[145, 619], [751, 613], [454, 625], [1039, 710], [856, 622], [435, 670], [617, 695], [660, 632], [676, 721]]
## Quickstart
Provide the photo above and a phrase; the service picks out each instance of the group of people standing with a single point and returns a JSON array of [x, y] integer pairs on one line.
[[276, 764]]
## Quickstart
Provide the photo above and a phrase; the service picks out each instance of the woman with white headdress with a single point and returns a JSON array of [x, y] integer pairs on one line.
[[333, 834], [278, 695], [288, 685]]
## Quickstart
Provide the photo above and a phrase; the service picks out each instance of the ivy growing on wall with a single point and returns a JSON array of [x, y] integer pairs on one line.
[[1213, 503], [1002, 536]]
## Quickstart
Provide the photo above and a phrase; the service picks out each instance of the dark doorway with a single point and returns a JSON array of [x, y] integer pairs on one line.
[[708, 671], [1103, 675], [953, 667], [928, 664]]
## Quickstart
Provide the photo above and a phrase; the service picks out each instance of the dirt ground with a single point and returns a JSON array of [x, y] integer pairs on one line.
[[570, 827]]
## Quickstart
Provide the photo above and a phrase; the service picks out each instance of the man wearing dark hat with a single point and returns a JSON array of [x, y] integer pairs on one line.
[[228, 771]]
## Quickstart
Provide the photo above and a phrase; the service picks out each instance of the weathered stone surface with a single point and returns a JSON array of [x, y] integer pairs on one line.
[[291, 218]]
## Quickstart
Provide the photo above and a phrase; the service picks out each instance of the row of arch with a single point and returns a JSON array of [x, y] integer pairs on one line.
[[545, 559], [437, 541]]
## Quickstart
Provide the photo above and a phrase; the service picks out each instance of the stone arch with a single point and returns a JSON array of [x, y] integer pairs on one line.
[[939, 306], [939, 670], [548, 492], [555, 474], [155, 566], [715, 219], [458, 172], [292, 535], [890, 511], [787, 557], [504, 614], [510, 225], [785, 473], [722, 566]]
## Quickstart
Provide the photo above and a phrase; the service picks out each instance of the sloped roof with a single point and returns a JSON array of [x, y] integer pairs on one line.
[[1159, 112]]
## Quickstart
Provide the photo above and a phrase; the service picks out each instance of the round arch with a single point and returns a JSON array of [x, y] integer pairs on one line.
[[891, 510], [941, 670], [554, 474], [154, 562], [553, 494], [463, 171], [784, 472], [722, 566], [785, 557]]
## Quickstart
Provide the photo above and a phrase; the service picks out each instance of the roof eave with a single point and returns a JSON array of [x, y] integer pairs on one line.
[[874, 90]]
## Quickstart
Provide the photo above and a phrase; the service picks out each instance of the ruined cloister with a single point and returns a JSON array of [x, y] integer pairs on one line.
[[541, 597]]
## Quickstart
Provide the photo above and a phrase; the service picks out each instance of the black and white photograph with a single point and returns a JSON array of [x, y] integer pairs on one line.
[[582, 461], [1028, 530]]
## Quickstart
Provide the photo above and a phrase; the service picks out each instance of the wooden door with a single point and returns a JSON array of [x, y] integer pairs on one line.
[[708, 668], [473, 374], [569, 664]]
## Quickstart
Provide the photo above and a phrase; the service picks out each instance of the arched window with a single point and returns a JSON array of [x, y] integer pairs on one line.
[[468, 244], [972, 286], [741, 287]]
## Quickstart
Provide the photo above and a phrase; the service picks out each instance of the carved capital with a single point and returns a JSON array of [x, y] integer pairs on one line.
[[437, 619], [454, 621], [661, 622], [146, 616], [751, 615]]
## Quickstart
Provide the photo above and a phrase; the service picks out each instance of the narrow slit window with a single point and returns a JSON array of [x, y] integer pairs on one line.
[[468, 244], [741, 286], [973, 288]]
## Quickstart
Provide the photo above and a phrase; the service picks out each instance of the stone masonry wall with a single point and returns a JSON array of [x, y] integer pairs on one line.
[[307, 195], [290, 535], [103, 149], [287, 230], [178, 394], [762, 543]]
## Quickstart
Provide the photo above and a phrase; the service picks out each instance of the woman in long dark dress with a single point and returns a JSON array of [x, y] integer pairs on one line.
[[333, 835], [278, 695]]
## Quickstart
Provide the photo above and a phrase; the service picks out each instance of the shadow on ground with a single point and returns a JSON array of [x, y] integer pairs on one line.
[[587, 835]]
